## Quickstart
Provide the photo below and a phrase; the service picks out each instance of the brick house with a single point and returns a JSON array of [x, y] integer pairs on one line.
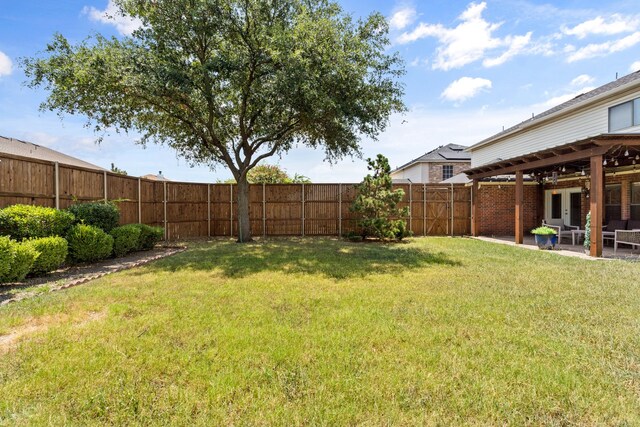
[[435, 166], [580, 156]]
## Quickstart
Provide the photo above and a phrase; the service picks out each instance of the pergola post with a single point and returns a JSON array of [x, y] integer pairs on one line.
[[597, 205], [519, 207], [475, 230]]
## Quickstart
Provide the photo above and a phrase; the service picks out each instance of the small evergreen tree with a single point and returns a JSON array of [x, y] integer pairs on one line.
[[377, 204], [587, 232]]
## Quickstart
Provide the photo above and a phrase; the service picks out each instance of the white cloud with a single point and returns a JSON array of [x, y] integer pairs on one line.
[[516, 45], [581, 80], [419, 62], [605, 48], [112, 15], [614, 24], [469, 41], [465, 88], [402, 18], [560, 99], [635, 66], [6, 66]]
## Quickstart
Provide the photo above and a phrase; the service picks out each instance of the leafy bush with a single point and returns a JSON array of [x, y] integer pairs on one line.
[[149, 236], [544, 231], [125, 239], [26, 221], [7, 254], [53, 251], [104, 215], [88, 243], [23, 260], [377, 204]]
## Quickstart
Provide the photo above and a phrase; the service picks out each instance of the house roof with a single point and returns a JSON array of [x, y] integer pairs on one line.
[[17, 147], [444, 153], [154, 177], [579, 101]]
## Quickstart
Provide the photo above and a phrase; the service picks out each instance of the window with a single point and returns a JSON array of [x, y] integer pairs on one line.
[[556, 206], [635, 201], [612, 202], [447, 171], [624, 115]]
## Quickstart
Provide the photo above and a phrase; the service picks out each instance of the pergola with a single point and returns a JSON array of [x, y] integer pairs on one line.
[[591, 155]]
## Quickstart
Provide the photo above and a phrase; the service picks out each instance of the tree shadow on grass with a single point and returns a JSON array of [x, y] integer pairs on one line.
[[329, 258]]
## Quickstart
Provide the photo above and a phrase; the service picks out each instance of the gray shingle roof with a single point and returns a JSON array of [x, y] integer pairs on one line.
[[17, 147], [582, 98], [444, 153]]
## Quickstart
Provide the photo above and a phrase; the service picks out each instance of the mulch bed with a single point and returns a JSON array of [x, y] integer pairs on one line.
[[79, 274]]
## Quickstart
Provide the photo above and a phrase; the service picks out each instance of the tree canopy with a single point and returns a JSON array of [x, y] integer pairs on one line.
[[231, 82]]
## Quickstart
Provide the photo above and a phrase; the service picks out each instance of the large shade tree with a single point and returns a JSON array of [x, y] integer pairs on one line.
[[230, 82]]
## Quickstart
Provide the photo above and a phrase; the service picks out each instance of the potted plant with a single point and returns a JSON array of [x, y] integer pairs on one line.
[[546, 237]]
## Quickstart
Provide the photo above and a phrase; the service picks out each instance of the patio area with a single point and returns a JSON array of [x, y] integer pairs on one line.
[[566, 248]]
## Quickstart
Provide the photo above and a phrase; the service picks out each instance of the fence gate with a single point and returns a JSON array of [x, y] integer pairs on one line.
[[438, 213]]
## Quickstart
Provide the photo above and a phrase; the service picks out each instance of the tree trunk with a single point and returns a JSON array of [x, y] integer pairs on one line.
[[244, 225]]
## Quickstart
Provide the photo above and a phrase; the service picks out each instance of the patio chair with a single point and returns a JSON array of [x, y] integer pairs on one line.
[[609, 230], [630, 236], [561, 228]]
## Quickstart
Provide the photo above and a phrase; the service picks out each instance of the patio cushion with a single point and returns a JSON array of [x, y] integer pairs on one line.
[[617, 224], [556, 222], [633, 224]]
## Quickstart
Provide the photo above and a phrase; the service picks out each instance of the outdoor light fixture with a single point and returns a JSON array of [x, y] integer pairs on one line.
[[616, 163], [582, 173], [626, 152], [564, 169], [604, 163]]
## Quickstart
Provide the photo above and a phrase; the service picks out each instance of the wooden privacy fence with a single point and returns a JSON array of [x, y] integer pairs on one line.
[[199, 210]]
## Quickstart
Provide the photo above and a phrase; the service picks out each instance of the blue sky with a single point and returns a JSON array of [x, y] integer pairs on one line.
[[472, 67]]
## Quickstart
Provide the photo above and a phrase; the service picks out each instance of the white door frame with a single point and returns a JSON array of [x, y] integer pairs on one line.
[[565, 200]]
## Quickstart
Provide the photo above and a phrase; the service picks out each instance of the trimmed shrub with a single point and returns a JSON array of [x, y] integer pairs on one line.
[[149, 236], [26, 221], [7, 254], [125, 239], [53, 251], [23, 261], [104, 215], [88, 243]]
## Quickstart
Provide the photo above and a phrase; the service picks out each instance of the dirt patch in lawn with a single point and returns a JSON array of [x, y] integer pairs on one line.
[[79, 274], [10, 341]]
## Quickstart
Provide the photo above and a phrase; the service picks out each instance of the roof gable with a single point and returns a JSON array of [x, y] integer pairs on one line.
[[444, 153]]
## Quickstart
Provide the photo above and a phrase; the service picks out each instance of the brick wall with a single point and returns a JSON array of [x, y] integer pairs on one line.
[[435, 170], [496, 209]]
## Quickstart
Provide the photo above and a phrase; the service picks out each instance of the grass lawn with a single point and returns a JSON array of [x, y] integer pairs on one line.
[[434, 331]]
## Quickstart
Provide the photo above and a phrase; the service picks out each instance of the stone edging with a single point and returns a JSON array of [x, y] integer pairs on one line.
[[89, 277]]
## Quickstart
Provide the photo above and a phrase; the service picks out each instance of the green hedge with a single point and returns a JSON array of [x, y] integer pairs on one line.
[[26, 221], [125, 239], [88, 243], [53, 251], [149, 236], [17, 259], [104, 215], [7, 254]]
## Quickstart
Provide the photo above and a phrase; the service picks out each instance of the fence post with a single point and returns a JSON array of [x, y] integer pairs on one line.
[[424, 209], [164, 202], [231, 210], [139, 201], [303, 209], [452, 206], [339, 210], [410, 207], [264, 209], [209, 210], [56, 169], [105, 187]]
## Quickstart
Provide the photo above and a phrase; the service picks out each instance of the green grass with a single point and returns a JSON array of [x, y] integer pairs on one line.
[[322, 332]]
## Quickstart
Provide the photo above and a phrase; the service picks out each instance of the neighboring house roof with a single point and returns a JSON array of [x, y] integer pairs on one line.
[[461, 178], [580, 101], [153, 177], [442, 154], [17, 147]]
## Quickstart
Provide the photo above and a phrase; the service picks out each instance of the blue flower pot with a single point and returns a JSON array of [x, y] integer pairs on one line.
[[546, 241]]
